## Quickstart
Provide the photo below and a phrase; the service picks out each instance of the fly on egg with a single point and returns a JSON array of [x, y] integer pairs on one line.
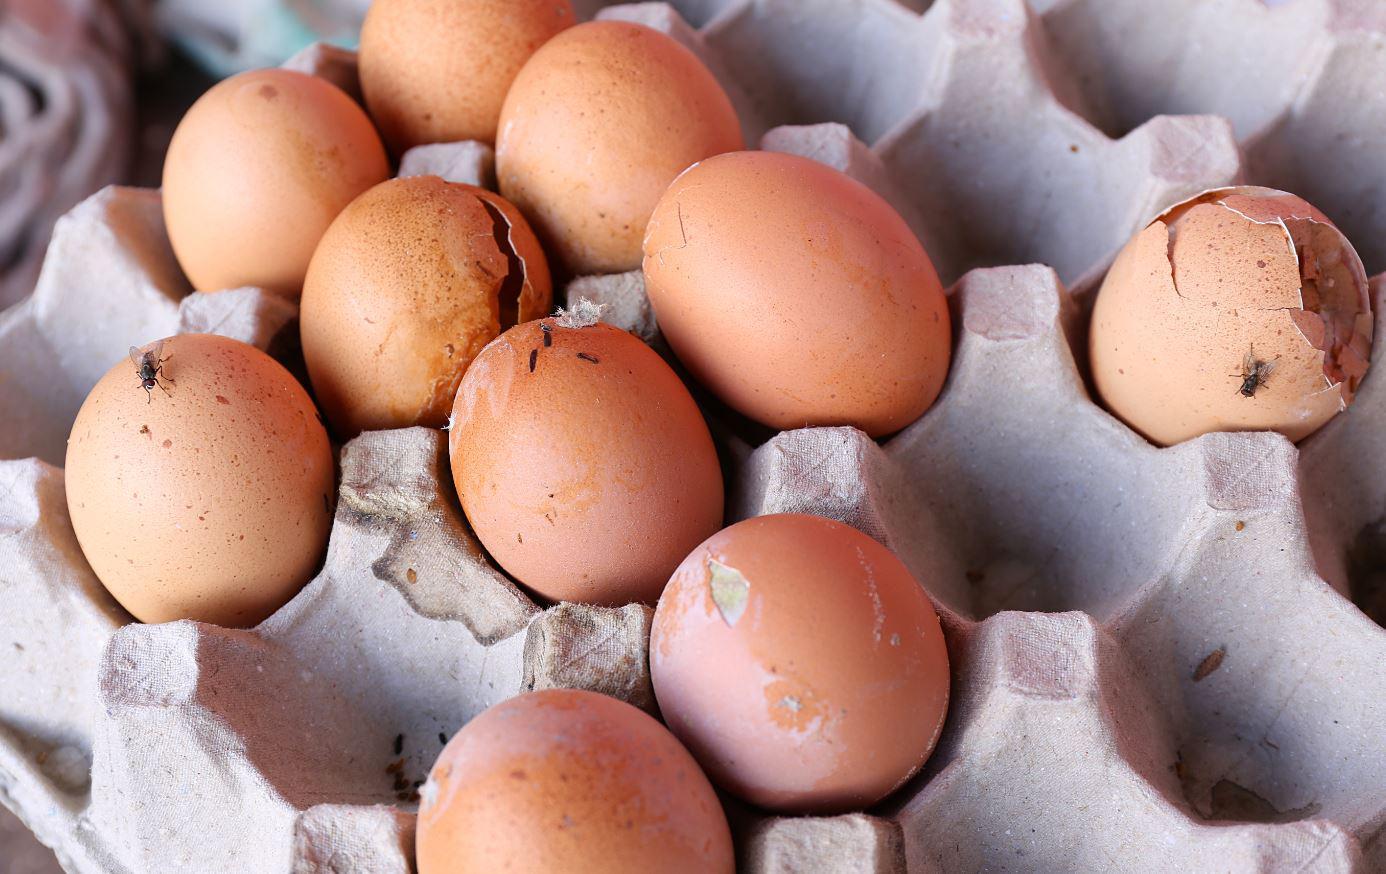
[[1239, 309]]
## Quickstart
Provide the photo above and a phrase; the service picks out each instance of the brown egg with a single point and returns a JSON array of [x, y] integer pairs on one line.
[[1241, 309], [797, 295], [582, 462], [436, 71], [257, 170], [801, 664], [596, 126], [406, 287], [208, 498], [569, 782]]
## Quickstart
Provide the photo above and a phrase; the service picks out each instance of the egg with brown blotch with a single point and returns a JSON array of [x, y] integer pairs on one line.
[[801, 663], [582, 462], [408, 284]]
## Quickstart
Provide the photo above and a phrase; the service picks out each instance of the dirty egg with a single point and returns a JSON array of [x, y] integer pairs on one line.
[[408, 284], [768, 653], [1240, 309], [209, 500], [572, 781], [581, 460]]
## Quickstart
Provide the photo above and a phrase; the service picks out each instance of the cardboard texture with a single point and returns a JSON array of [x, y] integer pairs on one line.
[[1158, 664]]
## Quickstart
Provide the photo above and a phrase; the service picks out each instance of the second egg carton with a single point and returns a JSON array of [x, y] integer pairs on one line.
[[1157, 664]]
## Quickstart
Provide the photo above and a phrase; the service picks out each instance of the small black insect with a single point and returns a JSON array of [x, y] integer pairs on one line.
[[149, 367], [1254, 373], [548, 334]]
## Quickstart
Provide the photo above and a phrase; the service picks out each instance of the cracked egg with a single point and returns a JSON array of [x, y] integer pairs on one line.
[[1240, 309], [408, 284], [801, 663]]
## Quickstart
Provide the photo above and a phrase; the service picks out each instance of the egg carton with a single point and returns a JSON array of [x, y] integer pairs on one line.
[[1157, 660]]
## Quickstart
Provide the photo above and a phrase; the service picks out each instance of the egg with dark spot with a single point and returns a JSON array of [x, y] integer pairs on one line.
[[582, 462], [170, 525], [1239, 309]]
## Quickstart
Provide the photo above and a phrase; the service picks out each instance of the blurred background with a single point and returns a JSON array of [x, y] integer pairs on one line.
[[90, 91]]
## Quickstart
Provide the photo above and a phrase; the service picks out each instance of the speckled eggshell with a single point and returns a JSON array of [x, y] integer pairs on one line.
[[408, 284], [437, 71], [582, 462], [596, 126], [801, 664], [211, 502], [1239, 309], [797, 295], [256, 171], [569, 782]]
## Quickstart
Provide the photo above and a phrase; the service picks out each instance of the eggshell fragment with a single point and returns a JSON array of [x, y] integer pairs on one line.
[[437, 71], [582, 463], [801, 664], [210, 497], [797, 294], [408, 284], [596, 126], [1239, 309], [256, 171], [569, 781]]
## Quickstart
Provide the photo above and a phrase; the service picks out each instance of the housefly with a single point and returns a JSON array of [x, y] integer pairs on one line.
[[1254, 373], [149, 367]]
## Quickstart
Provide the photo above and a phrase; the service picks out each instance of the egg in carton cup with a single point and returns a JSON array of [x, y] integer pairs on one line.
[[1156, 661]]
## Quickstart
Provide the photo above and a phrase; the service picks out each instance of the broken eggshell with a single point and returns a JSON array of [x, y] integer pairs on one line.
[[1239, 309], [409, 283], [801, 663]]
